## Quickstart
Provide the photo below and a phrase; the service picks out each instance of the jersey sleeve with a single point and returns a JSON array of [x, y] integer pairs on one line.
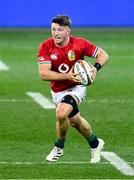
[[90, 49], [43, 54]]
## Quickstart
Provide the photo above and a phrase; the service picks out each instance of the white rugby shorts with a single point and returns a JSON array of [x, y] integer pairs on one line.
[[78, 92]]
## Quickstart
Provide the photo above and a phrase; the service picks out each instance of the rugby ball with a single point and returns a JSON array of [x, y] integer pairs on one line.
[[83, 69]]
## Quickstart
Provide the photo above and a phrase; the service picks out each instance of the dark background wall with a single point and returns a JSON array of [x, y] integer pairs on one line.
[[38, 13]]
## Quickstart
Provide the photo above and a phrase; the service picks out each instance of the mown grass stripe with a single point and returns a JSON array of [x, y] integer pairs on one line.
[[111, 157]]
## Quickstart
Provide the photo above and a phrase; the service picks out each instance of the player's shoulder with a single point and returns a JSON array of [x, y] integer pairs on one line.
[[46, 44], [48, 41], [77, 39]]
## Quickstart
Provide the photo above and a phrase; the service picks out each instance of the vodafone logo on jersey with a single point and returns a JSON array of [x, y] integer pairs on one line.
[[53, 56], [63, 68]]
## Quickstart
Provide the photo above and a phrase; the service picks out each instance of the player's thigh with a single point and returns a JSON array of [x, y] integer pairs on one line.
[[78, 92]]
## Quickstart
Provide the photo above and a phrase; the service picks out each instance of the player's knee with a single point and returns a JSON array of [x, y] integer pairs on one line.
[[61, 114], [68, 99]]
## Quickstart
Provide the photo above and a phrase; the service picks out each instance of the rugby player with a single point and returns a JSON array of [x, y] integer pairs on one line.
[[56, 57]]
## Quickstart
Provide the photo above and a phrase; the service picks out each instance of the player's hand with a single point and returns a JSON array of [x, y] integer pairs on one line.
[[72, 76], [93, 72]]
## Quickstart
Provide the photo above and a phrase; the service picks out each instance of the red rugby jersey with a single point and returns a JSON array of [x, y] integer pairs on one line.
[[63, 58]]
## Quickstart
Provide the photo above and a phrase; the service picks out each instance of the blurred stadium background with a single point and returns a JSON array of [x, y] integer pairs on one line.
[[28, 13], [27, 129]]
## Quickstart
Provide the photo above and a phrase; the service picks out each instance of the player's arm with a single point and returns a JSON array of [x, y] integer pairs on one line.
[[47, 74], [91, 50], [100, 59]]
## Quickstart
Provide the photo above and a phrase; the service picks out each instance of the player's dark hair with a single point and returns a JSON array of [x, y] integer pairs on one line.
[[62, 20]]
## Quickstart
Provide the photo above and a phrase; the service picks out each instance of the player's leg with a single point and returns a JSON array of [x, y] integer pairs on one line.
[[62, 122], [84, 128], [63, 111], [81, 125]]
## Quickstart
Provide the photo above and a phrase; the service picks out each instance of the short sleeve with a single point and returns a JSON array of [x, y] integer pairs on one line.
[[90, 49], [44, 54]]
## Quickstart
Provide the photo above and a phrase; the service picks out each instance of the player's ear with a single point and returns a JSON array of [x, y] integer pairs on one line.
[[68, 30]]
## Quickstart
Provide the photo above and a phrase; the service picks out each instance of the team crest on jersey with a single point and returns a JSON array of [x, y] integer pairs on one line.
[[53, 56], [71, 55]]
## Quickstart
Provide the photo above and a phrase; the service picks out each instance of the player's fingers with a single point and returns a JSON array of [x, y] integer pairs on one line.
[[94, 76], [75, 74], [77, 79]]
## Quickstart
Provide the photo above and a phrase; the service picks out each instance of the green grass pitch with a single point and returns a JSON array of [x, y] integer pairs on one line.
[[27, 131]]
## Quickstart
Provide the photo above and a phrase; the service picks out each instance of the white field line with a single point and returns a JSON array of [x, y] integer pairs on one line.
[[118, 163], [41, 100], [3, 66], [45, 162], [59, 162], [120, 101], [15, 100]]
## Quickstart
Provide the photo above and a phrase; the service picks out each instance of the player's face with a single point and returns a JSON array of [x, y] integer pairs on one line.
[[60, 34]]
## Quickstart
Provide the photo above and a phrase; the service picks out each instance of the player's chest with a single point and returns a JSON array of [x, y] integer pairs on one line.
[[65, 55]]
